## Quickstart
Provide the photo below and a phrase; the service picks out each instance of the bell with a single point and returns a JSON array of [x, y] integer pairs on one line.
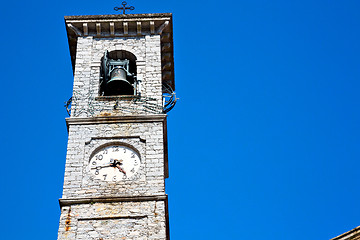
[[118, 84]]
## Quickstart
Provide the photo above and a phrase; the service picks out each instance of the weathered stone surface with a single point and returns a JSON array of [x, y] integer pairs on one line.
[[113, 221], [147, 138], [90, 50]]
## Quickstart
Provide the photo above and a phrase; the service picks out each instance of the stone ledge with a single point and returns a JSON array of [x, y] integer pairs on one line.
[[112, 218], [118, 97], [116, 119], [118, 137], [73, 201]]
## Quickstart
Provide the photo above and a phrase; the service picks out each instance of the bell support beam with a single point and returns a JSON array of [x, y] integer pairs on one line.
[[126, 28], [162, 27], [75, 30], [112, 29], [85, 29], [152, 27], [138, 28]]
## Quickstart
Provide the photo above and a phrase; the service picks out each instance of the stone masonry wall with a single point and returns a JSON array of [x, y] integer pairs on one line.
[[138, 219], [113, 221], [90, 50], [147, 138]]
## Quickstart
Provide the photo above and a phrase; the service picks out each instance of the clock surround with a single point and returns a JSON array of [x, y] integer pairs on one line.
[[114, 162]]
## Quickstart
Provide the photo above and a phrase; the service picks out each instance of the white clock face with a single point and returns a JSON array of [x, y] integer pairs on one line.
[[114, 163]]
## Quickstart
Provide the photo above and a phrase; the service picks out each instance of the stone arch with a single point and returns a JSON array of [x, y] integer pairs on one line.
[[100, 147], [128, 49], [99, 55]]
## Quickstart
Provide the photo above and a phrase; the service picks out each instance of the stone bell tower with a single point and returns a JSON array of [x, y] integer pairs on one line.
[[116, 163]]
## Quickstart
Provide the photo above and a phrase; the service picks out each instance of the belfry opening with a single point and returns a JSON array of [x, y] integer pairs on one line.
[[118, 73]]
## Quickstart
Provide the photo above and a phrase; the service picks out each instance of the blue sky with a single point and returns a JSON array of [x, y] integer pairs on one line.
[[263, 143]]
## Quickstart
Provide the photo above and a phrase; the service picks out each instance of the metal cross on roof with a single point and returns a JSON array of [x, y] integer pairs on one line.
[[124, 7]]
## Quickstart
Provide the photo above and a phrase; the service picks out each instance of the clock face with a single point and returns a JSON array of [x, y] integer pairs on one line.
[[114, 163]]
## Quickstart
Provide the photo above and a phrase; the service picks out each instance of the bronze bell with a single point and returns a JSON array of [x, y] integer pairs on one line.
[[116, 78], [118, 84]]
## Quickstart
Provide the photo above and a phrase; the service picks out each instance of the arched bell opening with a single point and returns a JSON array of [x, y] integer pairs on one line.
[[118, 73]]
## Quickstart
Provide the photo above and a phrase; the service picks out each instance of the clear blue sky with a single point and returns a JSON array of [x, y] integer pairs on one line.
[[263, 144]]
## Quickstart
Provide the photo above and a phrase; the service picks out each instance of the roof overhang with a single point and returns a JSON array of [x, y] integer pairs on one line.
[[353, 234]]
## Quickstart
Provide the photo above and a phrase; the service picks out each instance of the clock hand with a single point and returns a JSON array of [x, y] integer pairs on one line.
[[99, 167], [117, 164], [120, 169]]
